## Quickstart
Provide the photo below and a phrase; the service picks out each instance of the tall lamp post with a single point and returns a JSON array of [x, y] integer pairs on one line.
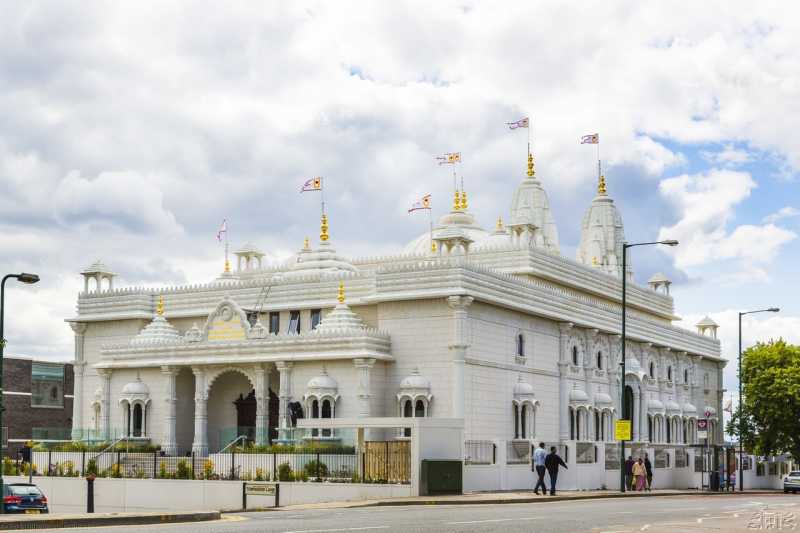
[[24, 278], [625, 246], [739, 375]]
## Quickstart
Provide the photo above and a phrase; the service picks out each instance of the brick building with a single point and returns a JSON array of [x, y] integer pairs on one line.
[[38, 399]]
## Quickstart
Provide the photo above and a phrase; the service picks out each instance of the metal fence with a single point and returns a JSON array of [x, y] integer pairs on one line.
[[480, 452], [379, 462]]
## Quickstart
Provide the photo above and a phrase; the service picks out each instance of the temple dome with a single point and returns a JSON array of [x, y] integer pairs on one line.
[[672, 406], [157, 331], [531, 217], [322, 382], [321, 260], [601, 398], [578, 395], [602, 235], [415, 382], [462, 222], [135, 388], [522, 388]]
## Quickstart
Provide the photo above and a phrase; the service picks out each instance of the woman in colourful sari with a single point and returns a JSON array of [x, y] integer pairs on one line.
[[639, 474]]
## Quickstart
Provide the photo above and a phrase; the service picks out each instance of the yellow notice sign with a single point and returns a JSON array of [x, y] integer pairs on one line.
[[622, 430]]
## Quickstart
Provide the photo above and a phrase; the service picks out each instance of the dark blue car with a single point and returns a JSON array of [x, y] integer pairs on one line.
[[24, 498]]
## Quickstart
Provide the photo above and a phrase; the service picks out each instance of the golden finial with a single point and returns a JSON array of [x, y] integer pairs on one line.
[[323, 228], [456, 201], [601, 185], [594, 261], [227, 266], [433, 246], [531, 171], [340, 297], [499, 225], [306, 246], [464, 203], [160, 306]]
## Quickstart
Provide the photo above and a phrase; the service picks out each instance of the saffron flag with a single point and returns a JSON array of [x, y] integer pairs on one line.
[[423, 203], [314, 184], [449, 158], [223, 229], [594, 138], [521, 123]]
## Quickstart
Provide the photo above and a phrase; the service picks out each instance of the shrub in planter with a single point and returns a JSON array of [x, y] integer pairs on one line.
[[162, 470], [183, 470], [285, 472], [259, 474], [9, 468], [208, 469], [91, 467], [316, 469]]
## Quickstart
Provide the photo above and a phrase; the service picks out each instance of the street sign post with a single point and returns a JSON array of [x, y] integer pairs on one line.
[[702, 429], [622, 430]]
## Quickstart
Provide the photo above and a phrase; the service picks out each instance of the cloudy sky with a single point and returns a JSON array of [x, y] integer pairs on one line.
[[128, 132]]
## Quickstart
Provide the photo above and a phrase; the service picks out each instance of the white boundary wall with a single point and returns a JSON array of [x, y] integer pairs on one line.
[[68, 495]]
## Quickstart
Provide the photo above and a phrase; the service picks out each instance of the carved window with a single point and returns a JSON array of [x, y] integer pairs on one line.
[[407, 413], [652, 369], [600, 360], [516, 421], [669, 373], [274, 322], [520, 345], [294, 322], [575, 355], [686, 375], [316, 318]]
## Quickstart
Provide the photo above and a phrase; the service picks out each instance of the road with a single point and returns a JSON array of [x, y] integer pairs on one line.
[[661, 514]]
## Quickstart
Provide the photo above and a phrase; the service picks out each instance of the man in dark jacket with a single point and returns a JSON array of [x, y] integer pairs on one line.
[[629, 472], [551, 463], [649, 468]]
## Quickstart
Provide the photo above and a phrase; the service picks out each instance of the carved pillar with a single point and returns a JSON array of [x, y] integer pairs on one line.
[[105, 402], [563, 386], [364, 369], [78, 367], [262, 404], [169, 443], [459, 346], [200, 443], [284, 394], [637, 412]]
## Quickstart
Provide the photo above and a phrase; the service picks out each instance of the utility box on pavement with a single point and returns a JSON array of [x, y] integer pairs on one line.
[[440, 477]]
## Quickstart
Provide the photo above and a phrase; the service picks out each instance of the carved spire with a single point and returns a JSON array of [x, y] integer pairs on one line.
[[323, 228]]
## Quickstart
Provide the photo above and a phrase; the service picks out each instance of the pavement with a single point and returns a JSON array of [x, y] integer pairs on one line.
[[509, 497], [80, 520], [678, 513]]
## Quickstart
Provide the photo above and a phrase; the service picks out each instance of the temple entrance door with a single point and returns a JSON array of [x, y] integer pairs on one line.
[[273, 416], [246, 415], [627, 406]]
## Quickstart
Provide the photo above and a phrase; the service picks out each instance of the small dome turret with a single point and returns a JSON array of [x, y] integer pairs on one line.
[[531, 222], [602, 235]]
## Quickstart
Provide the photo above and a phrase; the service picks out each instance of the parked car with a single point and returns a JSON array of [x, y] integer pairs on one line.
[[792, 482], [24, 498]]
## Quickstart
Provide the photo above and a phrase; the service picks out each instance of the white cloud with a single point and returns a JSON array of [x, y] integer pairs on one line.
[[729, 156], [784, 212], [705, 204]]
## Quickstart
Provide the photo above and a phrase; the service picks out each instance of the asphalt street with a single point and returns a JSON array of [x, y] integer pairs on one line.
[[673, 514]]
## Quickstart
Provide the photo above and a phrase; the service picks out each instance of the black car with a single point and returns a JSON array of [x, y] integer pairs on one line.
[[24, 498]]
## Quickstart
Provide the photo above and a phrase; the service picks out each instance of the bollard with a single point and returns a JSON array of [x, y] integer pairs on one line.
[[90, 493]]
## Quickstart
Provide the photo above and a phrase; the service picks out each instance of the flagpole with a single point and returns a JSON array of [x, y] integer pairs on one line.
[[322, 194], [227, 264], [430, 223], [599, 167]]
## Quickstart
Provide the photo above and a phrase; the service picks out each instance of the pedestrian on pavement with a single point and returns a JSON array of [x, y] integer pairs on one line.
[[648, 466], [639, 474], [539, 457], [629, 472], [552, 462]]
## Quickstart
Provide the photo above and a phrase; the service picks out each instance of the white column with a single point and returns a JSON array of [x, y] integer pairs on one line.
[[262, 404], [200, 443], [637, 413], [169, 443], [105, 402], [459, 346], [284, 394], [563, 385], [364, 369], [78, 368]]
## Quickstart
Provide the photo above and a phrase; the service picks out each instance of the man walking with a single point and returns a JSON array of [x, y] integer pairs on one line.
[[648, 466], [552, 462], [629, 472], [539, 457]]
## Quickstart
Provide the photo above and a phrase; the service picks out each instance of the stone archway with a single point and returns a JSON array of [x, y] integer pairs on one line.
[[229, 406]]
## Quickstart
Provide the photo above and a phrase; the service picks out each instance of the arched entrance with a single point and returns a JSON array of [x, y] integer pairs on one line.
[[231, 409], [627, 405]]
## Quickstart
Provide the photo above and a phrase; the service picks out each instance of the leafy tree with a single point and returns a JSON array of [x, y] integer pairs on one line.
[[770, 413]]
